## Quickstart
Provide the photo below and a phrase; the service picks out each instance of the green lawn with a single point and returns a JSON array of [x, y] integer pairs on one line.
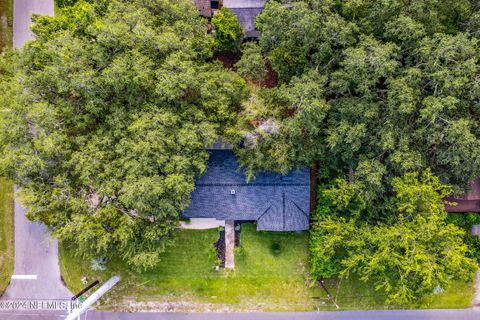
[[6, 23], [186, 280], [354, 295], [6, 233], [269, 276]]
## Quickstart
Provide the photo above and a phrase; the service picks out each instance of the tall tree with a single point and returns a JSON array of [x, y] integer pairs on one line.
[[105, 131], [392, 83], [407, 256]]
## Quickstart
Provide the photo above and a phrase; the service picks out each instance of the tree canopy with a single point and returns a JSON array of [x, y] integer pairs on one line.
[[106, 118], [360, 93], [372, 91], [407, 256]]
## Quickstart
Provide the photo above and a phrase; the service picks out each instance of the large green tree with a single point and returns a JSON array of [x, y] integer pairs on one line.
[[407, 256], [385, 87], [106, 118]]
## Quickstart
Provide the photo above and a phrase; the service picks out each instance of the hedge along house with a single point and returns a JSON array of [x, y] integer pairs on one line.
[[273, 201]]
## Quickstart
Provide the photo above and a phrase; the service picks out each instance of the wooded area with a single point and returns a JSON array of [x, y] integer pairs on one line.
[[106, 116]]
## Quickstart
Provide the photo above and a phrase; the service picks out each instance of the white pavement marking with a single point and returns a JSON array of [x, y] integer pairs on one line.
[[25, 276]]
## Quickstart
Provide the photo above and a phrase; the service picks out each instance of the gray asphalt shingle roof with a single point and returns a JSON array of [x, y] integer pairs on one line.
[[278, 203], [246, 17]]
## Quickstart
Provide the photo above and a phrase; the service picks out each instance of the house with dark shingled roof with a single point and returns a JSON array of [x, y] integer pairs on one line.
[[276, 202]]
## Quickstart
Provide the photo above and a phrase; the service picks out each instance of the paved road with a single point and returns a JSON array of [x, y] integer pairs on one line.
[[35, 254], [462, 314], [22, 11]]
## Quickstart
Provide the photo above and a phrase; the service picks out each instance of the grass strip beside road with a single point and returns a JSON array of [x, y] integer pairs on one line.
[[6, 233]]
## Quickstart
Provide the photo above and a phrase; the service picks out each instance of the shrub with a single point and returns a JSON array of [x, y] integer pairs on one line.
[[252, 64], [464, 220], [275, 248], [98, 264], [65, 3], [227, 30]]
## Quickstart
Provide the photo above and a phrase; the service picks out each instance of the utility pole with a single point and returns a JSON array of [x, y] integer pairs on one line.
[[93, 298], [328, 294]]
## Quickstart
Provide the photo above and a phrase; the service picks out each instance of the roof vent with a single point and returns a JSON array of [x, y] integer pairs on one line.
[[232, 191]]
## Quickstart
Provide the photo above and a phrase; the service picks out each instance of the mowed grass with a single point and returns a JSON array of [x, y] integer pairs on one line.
[[185, 280], [6, 233], [352, 294], [270, 275], [6, 23]]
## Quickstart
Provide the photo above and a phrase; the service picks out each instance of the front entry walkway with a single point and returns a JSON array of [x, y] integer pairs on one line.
[[476, 297], [229, 244]]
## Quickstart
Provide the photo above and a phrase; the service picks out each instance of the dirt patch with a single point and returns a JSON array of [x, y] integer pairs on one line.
[[220, 244], [228, 60], [271, 80], [184, 303]]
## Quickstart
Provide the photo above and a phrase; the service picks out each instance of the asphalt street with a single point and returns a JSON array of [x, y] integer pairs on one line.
[[22, 12], [461, 314], [464, 314], [35, 256]]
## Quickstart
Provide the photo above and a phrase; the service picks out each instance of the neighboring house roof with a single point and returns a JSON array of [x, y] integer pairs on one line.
[[246, 17], [204, 6], [276, 202], [246, 12], [244, 3], [468, 202]]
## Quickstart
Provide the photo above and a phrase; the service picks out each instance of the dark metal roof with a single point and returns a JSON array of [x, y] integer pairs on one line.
[[276, 202]]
